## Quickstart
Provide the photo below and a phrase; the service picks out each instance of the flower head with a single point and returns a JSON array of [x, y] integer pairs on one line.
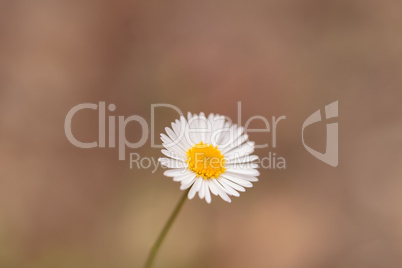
[[210, 155]]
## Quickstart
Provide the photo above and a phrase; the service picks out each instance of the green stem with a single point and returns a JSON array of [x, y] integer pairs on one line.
[[165, 230]]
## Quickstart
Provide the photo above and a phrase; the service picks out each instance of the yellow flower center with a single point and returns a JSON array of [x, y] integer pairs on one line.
[[206, 161]]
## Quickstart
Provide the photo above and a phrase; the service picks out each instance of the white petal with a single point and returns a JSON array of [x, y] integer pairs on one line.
[[175, 172], [185, 176], [234, 134], [221, 191], [195, 188], [241, 166], [235, 143], [180, 129], [242, 171], [213, 188], [171, 133], [245, 149], [242, 176], [185, 184], [217, 126], [207, 193], [201, 192], [242, 159], [205, 128], [237, 180], [175, 149], [228, 189], [226, 135], [169, 143], [232, 184]]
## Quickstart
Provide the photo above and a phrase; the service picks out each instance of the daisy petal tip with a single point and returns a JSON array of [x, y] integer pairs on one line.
[[191, 194], [167, 173]]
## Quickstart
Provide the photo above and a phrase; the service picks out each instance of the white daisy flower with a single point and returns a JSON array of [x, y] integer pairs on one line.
[[210, 155]]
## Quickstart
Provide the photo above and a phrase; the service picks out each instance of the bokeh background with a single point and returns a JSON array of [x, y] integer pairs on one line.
[[62, 206]]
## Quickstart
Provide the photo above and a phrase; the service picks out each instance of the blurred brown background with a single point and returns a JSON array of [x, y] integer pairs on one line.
[[62, 206]]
